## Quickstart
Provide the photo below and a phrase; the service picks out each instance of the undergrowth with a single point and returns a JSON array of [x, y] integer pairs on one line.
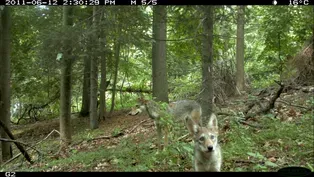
[[244, 148]]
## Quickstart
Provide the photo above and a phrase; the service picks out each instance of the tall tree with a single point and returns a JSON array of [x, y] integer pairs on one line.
[[94, 74], [103, 65], [313, 43], [5, 91], [116, 67], [86, 79], [206, 95], [159, 65], [240, 50], [66, 83]]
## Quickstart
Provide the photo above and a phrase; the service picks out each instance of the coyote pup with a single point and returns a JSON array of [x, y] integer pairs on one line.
[[207, 152], [179, 110]]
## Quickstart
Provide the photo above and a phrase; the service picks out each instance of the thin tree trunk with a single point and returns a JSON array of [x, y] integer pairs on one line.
[[240, 50], [103, 82], [66, 84], [94, 76], [5, 91], [86, 80], [207, 62], [117, 61], [86, 87], [159, 65], [313, 45]]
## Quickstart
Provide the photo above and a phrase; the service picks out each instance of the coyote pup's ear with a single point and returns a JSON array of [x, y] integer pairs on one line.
[[213, 122]]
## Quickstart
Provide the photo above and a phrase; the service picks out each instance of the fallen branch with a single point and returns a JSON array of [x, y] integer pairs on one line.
[[16, 156], [18, 145], [246, 161], [224, 114], [19, 142], [290, 104], [271, 104], [182, 137], [252, 125], [106, 137], [138, 125]]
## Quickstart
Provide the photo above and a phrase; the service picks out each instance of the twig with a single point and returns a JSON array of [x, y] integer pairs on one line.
[[290, 104], [252, 125], [224, 114], [48, 136], [106, 137], [182, 137], [245, 161], [16, 156], [138, 125]]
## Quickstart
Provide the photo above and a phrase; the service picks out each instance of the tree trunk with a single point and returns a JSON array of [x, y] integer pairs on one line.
[[206, 95], [240, 50], [66, 84], [86, 87], [103, 81], [114, 85], [313, 45], [94, 75], [159, 65], [5, 91]]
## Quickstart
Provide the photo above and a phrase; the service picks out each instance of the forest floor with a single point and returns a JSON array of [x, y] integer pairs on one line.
[[128, 143]]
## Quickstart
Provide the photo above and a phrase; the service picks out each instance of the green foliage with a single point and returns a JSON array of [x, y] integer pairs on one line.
[[268, 149], [272, 35], [116, 132]]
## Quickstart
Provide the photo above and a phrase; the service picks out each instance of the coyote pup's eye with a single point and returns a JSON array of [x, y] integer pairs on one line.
[[212, 137], [202, 138]]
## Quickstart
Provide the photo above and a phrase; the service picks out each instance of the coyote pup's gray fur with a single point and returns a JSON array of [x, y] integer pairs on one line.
[[179, 110], [207, 152]]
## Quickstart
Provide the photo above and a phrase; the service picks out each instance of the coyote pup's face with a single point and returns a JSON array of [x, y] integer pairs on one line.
[[206, 138]]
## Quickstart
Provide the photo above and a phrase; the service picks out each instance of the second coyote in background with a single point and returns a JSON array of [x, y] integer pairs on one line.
[[180, 110], [207, 152]]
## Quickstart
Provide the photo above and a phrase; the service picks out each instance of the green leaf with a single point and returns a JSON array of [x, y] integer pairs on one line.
[[256, 155], [187, 148], [270, 164]]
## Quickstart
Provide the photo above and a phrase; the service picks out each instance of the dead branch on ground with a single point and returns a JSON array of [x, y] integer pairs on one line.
[[294, 105], [138, 125], [16, 156], [270, 105], [18, 145]]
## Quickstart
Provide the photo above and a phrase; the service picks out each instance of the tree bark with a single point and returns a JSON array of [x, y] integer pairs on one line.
[[159, 65], [240, 50], [5, 90], [103, 82], [313, 45], [206, 95], [66, 84], [94, 76], [86, 88], [117, 61]]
